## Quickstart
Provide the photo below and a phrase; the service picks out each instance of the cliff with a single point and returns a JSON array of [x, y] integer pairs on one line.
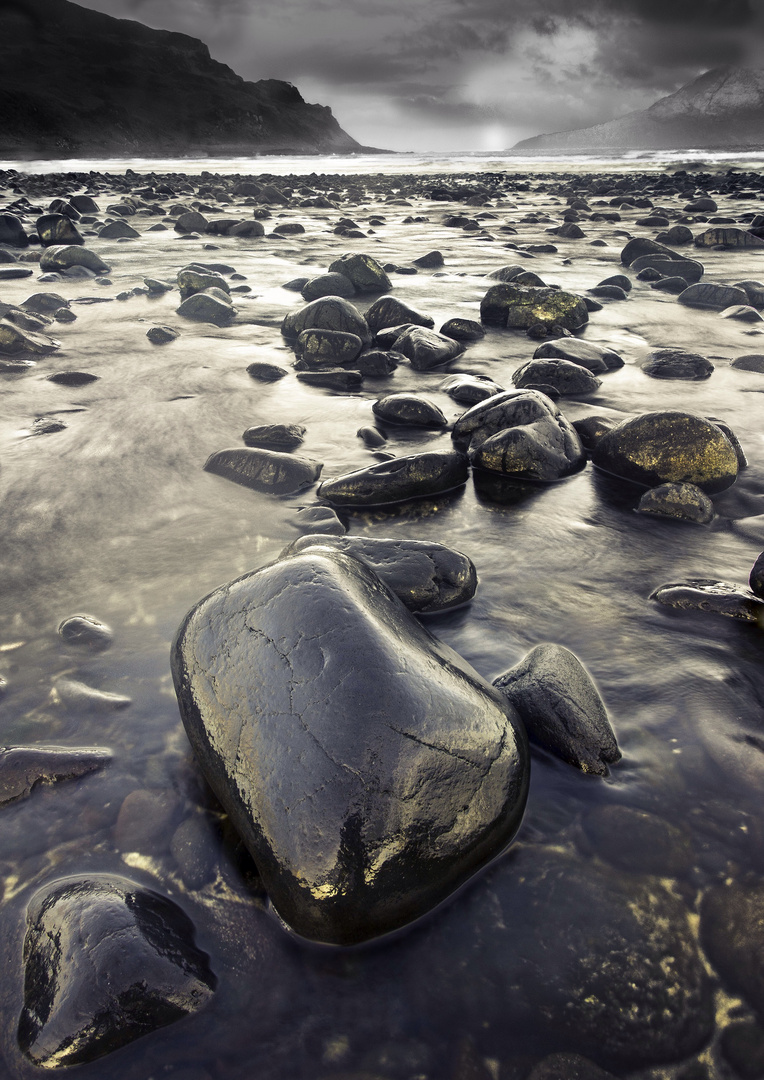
[[75, 82], [721, 110]]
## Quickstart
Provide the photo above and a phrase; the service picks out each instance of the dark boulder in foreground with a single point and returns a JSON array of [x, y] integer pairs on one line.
[[561, 708], [426, 576], [715, 597], [264, 470], [106, 962], [669, 447], [588, 959], [397, 480], [369, 770]]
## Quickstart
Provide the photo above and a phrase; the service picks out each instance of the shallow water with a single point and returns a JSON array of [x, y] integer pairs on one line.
[[114, 516]]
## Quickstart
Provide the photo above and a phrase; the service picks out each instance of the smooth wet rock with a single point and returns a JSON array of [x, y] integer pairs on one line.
[[517, 307], [426, 576], [642, 245], [728, 238], [754, 290], [73, 378], [328, 347], [208, 308], [465, 330], [71, 256], [22, 768], [275, 436], [375, 774], [162, 335], [689, 269], [431, 261], [144, 822], [522, 434], [265, 372], [197, 279], [715, 597], [339, 379], [561, 708], [58, 229], [590, 429], [710, 297], [669, 447], [566, 377], [427, 349], [328, 285], [742, 313], [732, 933], [12, 231], [86, 632], [470, 389], [106, 961], [371, 437], [398, 479], [365, 273], [117, 230], [45, 303], [389, 311], [14, 340], [194, 846], [684, 502], [328, 313], [74, 694], [677, 364], [596, 358], [13, 273], [409, 409], [264, 470], [378, 363]]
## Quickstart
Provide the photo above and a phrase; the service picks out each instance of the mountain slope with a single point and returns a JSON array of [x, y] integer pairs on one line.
[[723, 109], [74, 81]]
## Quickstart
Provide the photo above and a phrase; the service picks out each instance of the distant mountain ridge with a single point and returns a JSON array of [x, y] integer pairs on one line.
[[77, 82], [722, 109]]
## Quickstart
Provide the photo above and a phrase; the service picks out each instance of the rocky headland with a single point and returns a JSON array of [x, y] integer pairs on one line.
[[75, 82]]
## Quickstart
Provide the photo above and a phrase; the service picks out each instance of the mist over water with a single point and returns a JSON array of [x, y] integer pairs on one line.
[[114, 516]]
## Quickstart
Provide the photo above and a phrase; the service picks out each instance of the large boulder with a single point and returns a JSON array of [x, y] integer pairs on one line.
[[517, 307], [328, 313], [669, 447], [369, 770], [363, 271], [426, 349], [106, 961], [399, 479], [426, 576], [521, 433], [728, 238], [58, 229], [70, 255], [561, 708]]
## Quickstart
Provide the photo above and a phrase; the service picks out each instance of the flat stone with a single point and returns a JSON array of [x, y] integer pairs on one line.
[[596, 358], [106, 962], [728, 238], [340, 379], [561, 708], [73, 378], [716, 597], [677, 364], [426, 576], [264, 470], [711, 297], [275, 436], [265, 372], [22, 768], [15, 340], [398, 480], [369, 770]]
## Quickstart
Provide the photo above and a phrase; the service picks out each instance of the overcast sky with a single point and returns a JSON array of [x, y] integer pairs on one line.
[[467, 74]]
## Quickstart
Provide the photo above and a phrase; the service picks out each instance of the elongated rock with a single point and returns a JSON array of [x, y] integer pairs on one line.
[[715, 597], [23, 767], [264, 470], [397, 480], [561, 708], [369, 770], [64, 258]]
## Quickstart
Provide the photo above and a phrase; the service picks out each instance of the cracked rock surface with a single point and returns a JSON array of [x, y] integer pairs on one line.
[[106, 961], [368, 768]]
